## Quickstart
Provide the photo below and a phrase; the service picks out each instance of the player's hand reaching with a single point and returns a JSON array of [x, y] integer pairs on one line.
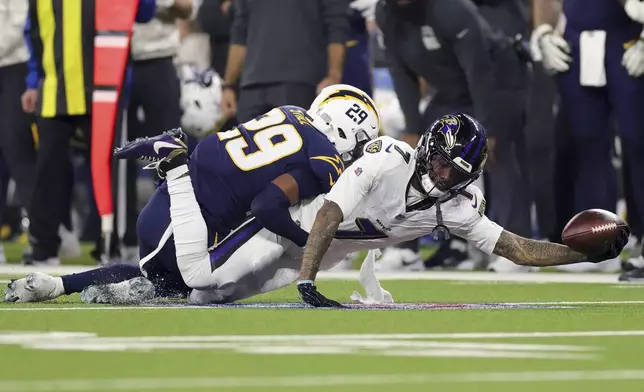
[[312, 296], [614, 249]]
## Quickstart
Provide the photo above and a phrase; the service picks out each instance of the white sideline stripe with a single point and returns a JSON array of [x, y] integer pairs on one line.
[[315, 381], [181, 307], [484, 276], [545, 277]]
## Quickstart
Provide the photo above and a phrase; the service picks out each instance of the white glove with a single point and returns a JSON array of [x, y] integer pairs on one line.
[[552, 49], [633, 59], [366, 7], [635, 10]]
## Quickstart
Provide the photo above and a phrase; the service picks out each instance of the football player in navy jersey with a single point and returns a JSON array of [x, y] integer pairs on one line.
[[244, 179]]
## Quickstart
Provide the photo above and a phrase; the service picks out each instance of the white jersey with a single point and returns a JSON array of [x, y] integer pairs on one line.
[[372, 195]]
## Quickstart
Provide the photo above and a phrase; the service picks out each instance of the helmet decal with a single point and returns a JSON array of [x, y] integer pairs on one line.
[[450, 127], [353, 95]]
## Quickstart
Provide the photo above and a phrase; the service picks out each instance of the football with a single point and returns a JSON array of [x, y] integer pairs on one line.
[[592, 231]]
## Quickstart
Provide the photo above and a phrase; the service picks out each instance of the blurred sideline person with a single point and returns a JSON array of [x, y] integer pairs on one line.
[[283, 52], [16, 140], [60, 34], [474, 69], [153, 94], [598, 61]]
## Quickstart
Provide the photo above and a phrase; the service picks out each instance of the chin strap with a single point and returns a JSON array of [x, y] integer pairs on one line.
[[441, 232]]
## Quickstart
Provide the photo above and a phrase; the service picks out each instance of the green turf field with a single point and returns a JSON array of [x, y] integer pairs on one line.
[[559, 337]]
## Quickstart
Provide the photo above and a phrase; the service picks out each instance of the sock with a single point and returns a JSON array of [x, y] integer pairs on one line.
[[188, 226], [179, 160], [60, 288], [75, 283]]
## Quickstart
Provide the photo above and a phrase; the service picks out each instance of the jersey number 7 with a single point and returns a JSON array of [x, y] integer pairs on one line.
[[264, 129]]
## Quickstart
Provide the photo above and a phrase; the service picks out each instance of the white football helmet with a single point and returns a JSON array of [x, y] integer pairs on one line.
[[348, 117], [200, 98]]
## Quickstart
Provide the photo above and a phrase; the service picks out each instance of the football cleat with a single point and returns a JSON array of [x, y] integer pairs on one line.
[[163, 147], [133, 291], [636, 275], [35, 287], [399, 259]]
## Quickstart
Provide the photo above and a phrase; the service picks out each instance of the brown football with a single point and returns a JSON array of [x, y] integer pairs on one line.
[[592, 231]]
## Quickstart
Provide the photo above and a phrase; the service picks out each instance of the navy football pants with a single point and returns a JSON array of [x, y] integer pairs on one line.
[[590, 111]]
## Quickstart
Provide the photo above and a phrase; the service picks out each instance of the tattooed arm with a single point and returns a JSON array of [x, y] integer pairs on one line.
[[529, 252], [326, 224]]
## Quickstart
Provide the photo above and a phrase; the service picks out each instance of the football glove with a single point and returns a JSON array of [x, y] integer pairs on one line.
[[614, 249], [633, 59], [311, 296], [551, 48], [635, 10], [367, 8]]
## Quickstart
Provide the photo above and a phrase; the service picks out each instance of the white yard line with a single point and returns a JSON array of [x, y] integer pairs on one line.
[[17, 307], [316, 381], [480, 276], [32, 335]]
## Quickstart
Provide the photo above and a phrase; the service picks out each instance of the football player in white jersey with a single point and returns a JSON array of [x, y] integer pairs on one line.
[[395, 193]]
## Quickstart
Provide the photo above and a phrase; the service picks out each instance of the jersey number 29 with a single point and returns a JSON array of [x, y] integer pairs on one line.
[[356, 113], [264, 129]]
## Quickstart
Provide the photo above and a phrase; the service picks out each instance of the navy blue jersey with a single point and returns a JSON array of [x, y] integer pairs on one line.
[[584, 15], [229, 169]]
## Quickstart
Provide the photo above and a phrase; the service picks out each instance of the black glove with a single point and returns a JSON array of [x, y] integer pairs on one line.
[[614, 249], [311, 296]]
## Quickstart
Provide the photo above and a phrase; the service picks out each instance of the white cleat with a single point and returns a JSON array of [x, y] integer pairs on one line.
[[502, 265], [69, 244], [634, 262], [345, 264], [399, 259], [3, 256], [50, 262], [610, 265], [35, 287], [133, 291]]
